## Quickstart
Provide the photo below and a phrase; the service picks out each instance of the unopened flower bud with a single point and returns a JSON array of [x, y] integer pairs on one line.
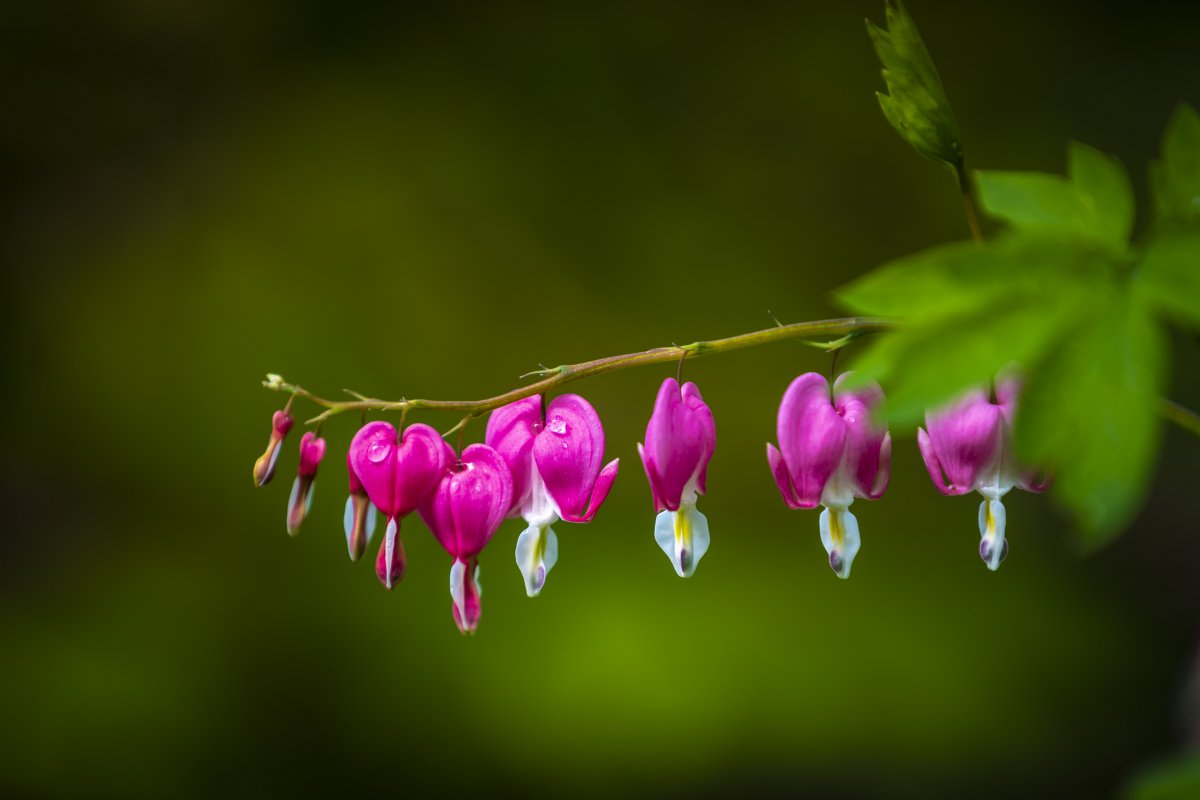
[[312, 450], [264, 467]]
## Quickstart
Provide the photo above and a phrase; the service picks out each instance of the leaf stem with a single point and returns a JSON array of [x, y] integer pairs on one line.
[[1182, 416], [968, 199], [552, 377]]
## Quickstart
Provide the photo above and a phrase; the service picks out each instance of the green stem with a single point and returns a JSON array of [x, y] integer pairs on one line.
[[968, 198], [555, 377], [1181, 415]]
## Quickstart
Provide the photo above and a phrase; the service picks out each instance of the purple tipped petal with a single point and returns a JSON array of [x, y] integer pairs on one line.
[[812, 436], [966, 437], [568, 453], [510, 430], [782, 479], [679, 441], [864, 438]]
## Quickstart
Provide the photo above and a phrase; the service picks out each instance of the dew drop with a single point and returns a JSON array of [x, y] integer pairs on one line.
[[378, 451], [557, 425]]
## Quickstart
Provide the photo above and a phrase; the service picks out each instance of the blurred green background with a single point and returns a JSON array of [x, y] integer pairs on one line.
[[430, 199]]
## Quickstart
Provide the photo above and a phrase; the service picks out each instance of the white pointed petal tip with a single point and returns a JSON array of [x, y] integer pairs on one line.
[[839, 535], [683, 536], [993, 545], [537, 553]]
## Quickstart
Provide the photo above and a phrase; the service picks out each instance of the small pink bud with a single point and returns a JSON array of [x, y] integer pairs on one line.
[[264, 467], [312, 450]]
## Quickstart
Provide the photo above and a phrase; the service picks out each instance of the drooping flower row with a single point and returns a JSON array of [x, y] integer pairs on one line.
[[545, 466]]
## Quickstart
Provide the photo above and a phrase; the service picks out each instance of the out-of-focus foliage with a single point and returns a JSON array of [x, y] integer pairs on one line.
[[1094, 201], [915, 102], [1062, 294], [1176, 780], [1175, 180]]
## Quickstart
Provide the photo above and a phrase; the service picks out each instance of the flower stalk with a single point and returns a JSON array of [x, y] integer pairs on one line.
[[554, 377]]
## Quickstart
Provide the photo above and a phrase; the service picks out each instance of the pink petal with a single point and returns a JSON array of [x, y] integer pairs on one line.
[[782, 479], [435, 511], [479, 498], [510, 430], [312, 450], [885, 469], [966, 437], [929, 455], [691, 397], [864, 438], [679, 440], [568, 453], [356, 486], [604, 482], [372, 458], [421, 459], [652, 478], [812, 436]]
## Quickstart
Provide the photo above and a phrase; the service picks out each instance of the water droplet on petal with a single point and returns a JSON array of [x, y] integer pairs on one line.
[[557, 425], [378, 451]]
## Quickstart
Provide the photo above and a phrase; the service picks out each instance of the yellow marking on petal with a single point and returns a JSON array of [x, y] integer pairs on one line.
[[991, 521], [836, 534], [683, 531]]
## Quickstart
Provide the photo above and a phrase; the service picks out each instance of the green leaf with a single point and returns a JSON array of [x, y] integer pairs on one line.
[[915, 104], [1095, 201], [1174, 780], [957, 277], [1169, 275], [1089, 414], [927, 363], [1175, 180]]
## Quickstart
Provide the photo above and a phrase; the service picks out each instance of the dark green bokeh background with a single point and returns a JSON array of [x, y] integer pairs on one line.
[[431, 199]]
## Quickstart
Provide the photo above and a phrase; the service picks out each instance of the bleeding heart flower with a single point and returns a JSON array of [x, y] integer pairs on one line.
[[468, 505], [680, 439], [969, 448], [264, 465], [556, 473], [398, 473], [359, 519], [831, 451], [312, 450]]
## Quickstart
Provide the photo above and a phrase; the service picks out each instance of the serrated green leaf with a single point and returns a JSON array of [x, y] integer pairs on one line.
[[1095, 201], [923, 365], [1104, 189], [959, 276], [1089, 414], [1175, 179], [1169, 274], [915, 104]]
